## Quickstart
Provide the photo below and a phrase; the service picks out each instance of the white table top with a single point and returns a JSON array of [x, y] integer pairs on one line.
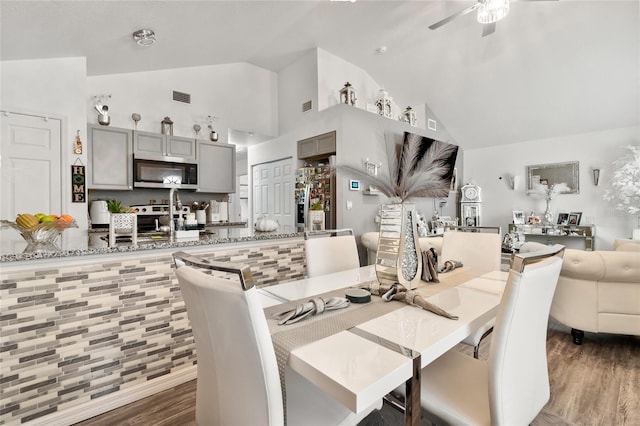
[[357, 371]]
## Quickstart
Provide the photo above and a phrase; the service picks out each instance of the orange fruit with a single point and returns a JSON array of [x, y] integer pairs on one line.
[[67, 218]]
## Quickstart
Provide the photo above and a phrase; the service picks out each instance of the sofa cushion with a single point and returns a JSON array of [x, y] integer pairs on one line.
[[620, 266], [583, 265], [621, 244]]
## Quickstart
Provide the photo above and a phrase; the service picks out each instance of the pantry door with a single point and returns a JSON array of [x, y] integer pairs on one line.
[[272, 190], [30, 165]]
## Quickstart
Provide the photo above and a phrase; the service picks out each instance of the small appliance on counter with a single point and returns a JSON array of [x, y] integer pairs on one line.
[[218, 211], [99, 213]]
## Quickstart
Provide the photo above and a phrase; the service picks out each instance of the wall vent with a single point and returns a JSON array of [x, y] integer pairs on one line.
[[306, 106], [185, 98]]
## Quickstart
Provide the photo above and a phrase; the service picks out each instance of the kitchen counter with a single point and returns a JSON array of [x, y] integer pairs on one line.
[[76, 242]]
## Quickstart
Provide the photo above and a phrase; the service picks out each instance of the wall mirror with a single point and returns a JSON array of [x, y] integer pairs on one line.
[[551, 174]]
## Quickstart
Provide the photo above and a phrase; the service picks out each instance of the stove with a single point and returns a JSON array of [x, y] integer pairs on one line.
[[148, 214]]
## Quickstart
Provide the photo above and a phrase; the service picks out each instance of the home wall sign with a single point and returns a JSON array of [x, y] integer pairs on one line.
[[78, 187]]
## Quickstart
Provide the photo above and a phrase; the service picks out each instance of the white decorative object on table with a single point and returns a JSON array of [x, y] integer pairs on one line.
[[549, 193]]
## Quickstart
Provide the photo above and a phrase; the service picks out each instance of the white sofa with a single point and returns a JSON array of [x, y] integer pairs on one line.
[[599, 292], [370, 241]]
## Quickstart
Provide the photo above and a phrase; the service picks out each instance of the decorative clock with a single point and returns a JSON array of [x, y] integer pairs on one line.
[[471, 194], [470, 203]]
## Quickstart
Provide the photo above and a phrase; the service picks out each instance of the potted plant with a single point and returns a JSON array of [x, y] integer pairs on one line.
[[625, 182], [122, 217]]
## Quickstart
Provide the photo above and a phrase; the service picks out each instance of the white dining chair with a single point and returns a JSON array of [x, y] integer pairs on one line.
[[476, 250], [330, 251], [513, 386], [238, 382]]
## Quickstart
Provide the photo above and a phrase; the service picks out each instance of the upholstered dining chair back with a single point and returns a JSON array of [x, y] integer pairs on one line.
[[238, 377], [238, 380], [518, 374], [330, 251], [479, 250]]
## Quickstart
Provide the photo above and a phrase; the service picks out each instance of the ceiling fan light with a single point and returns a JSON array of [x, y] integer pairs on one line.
[[491, 11], [144, 38]]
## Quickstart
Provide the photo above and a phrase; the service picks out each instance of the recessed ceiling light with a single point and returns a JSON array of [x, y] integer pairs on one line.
[[144, 38]]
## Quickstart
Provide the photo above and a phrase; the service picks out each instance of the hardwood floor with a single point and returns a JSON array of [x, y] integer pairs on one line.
[[597, 383]]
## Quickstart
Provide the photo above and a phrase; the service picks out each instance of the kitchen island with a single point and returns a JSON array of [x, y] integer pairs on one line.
[[89, 328]]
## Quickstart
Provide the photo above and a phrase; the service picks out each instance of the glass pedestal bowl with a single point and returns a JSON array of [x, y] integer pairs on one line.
[[43, 236]]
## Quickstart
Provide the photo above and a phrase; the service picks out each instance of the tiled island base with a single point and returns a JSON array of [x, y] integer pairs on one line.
[[81, 329]]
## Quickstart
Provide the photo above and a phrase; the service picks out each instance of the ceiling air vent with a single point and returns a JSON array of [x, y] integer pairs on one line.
[[306, 106], [185, 98]]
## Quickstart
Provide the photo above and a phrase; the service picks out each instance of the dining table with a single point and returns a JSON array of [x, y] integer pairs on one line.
[[361, 353]]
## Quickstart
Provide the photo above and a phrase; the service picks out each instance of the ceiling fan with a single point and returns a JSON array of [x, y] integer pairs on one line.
[[489, 12]]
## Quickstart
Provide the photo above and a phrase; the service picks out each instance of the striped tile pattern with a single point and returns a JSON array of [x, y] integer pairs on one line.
[[75, 333]]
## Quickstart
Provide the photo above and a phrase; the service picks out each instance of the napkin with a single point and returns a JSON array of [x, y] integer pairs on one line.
[[315, 306], [430, 266], [450, 265]]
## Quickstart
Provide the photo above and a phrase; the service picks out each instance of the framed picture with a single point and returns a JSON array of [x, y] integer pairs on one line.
[[518, 217], [563, 219], [533, 220], [574, 218]]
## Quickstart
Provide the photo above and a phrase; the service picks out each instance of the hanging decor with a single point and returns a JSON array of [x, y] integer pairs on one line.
[[348, 95], [78, 188], [77, 149]]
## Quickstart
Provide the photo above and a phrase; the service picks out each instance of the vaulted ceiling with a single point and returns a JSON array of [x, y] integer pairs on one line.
[[552, 68]]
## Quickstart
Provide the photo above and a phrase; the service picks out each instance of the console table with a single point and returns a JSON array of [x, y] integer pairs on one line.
[[551, 233]]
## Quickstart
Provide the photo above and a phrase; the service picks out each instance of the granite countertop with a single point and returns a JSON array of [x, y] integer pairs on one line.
[[76, 242]]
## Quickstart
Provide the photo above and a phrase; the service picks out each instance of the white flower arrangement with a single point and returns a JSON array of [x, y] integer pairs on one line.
[[550, 192], [626, 182]]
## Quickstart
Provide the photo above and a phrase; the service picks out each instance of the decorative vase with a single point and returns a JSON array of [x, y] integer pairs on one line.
[[548, 214], [398, 259]]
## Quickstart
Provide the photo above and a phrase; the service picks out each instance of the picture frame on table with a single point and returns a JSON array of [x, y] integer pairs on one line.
[[563, 219], [518, 217], [574, 218]]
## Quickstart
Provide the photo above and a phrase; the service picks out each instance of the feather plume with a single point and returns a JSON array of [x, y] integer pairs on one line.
[[423, 168]]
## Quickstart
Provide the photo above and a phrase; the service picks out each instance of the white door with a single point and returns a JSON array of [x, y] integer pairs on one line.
[[30, 165], [273, 193]]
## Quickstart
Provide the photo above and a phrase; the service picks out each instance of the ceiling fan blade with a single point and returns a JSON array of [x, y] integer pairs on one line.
[[454, 16], [488, 29]]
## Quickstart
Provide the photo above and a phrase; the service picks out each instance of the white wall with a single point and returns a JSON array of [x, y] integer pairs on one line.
[[241, 96], [486, 166], [297, 84], [56, 88]]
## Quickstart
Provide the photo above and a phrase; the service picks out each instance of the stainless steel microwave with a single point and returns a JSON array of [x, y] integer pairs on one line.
[[164, 172]]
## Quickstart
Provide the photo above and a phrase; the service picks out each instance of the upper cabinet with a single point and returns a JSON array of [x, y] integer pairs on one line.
[[321, 145], [216, 167], [147, 143], [110, 161]]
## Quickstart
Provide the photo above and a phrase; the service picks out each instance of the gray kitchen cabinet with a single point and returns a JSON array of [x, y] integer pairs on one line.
[[321, 145], [110, 163], [216, 167], [148, 143]]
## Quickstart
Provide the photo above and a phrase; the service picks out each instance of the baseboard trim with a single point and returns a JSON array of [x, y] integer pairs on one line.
[[116, 400]]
